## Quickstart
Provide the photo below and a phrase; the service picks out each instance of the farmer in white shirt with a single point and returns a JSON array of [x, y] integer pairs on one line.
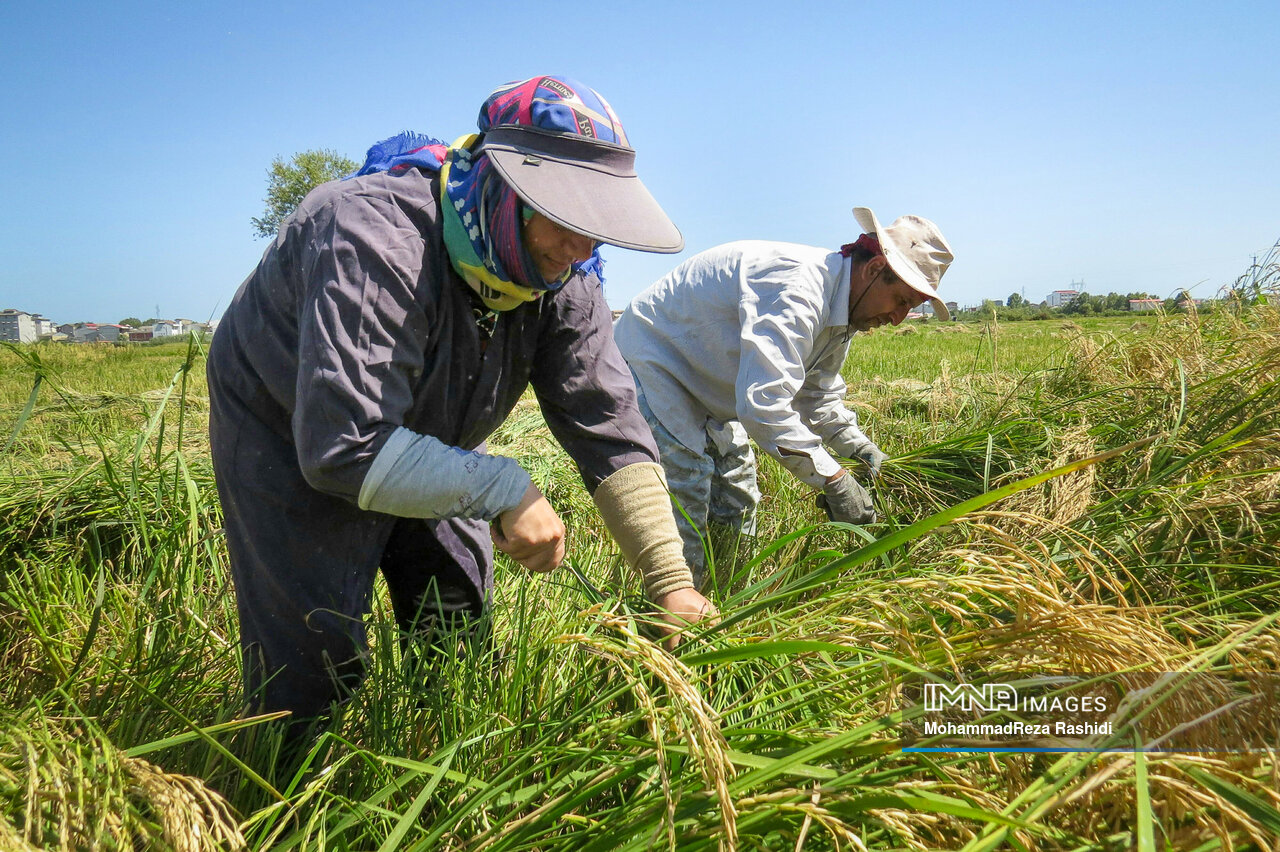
[[747, 340]]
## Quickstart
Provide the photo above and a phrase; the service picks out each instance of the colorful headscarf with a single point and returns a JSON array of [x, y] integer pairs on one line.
[[553, 103], [483, 214]]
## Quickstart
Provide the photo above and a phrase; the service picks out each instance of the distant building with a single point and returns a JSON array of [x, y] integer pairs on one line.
[[1146, 304], [92, 332], [18, 326], [953, 308], [44, 326], [1058, 298], [139, 335], [169, 328]]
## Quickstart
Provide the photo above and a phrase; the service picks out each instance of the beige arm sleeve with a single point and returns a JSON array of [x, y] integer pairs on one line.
[[636, 508]]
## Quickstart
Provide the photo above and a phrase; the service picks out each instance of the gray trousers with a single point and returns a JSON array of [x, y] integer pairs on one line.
[[711, 484]]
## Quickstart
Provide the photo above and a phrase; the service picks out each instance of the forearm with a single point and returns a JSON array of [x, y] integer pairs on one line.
[[636, 508], [418, 476]]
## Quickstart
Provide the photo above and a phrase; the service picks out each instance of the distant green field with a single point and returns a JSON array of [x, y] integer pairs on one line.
[[98, 391], [115, 385], [919, 351]]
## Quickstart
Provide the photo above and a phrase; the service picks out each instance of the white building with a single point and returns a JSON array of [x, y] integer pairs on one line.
[[1058, 298], [169, 328], [44, 326], [18, 326], [1146, 304]]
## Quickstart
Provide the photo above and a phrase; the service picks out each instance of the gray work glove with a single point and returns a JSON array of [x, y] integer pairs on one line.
[[870, 455], [843, 499]]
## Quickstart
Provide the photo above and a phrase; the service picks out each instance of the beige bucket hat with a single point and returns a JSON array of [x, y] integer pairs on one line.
[[916, 250]]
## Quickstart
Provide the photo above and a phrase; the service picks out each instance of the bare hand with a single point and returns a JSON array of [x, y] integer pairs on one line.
[[681, 609], [531, 533]]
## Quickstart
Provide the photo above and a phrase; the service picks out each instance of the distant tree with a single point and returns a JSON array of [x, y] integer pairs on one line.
[[289, 182], [1081, 305], [132, 322], [152, 320], [1015, 300]]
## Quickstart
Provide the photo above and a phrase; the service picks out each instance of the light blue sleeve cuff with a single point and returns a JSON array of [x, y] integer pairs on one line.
[[848, 441], [418, 476], [812, 468]]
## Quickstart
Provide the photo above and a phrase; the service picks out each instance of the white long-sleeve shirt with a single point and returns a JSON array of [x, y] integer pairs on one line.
[[754, 331]]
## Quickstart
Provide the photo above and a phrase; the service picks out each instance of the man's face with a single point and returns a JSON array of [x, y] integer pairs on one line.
[[887, 301]]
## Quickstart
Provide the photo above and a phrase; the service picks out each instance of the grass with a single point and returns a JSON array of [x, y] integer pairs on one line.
[[1152, 549]]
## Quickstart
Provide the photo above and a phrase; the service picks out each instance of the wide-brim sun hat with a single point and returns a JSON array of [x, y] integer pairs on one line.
[[916, 251], [561, 147]]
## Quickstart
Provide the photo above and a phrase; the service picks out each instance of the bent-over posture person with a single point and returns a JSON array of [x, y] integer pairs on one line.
[[391, 326], [747, 340]]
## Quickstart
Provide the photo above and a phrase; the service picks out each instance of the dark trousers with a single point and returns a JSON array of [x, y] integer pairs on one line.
[[304, 563]]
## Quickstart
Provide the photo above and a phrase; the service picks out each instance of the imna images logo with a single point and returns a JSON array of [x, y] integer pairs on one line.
[[992, 697], [989, 697]]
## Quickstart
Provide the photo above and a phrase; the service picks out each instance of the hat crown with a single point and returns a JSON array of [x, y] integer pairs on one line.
[[553, 103], [915, 248], [921, 244]]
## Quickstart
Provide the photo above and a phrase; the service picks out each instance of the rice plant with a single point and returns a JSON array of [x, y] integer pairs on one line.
[[1111, 507]]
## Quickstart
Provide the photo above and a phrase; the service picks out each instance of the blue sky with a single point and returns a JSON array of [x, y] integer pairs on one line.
[[1131, 146]]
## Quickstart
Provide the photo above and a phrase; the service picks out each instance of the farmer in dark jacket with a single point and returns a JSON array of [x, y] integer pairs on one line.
[[388, 330]]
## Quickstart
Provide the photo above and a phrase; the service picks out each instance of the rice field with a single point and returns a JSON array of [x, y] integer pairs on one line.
[[1101, 497]]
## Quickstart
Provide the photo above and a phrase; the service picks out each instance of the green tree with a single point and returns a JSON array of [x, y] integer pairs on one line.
[[1082, 305], [132, 322], [1015, 300], [1115, 302], [289, 182]]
